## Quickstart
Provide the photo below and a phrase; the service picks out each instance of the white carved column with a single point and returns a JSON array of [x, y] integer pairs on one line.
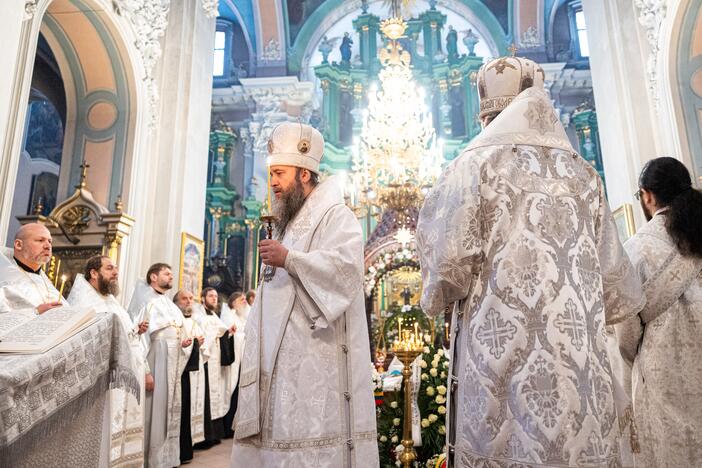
[[175, 163], [625, 111]]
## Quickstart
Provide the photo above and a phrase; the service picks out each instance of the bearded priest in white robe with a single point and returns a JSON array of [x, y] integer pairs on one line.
[[192, 424], [663, 342], [305, 392], [517, 234], [168, 350], [125, 410], [24, 287], [214, 329], [234, 314]]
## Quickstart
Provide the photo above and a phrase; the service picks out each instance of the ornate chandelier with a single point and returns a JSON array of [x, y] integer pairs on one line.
[[398, 153]]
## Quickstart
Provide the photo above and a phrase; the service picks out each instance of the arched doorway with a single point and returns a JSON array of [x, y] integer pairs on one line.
[[81, 106], [688, 85]]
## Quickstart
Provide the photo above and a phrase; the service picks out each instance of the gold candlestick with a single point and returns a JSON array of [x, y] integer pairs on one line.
[[407, 348]]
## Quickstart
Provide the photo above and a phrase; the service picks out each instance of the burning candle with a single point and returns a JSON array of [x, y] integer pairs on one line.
[[416, 330], [63, 284], [268, 170], [399, 327], [446, 328], [56, 270]]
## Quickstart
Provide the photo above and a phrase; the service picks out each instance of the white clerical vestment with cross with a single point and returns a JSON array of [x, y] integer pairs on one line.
[[126, 411], [305, 393], [167, 360], [518, 234], [22, 291]]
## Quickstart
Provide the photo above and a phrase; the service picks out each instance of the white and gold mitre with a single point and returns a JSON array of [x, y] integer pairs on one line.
[[296, 144], [502, 79]]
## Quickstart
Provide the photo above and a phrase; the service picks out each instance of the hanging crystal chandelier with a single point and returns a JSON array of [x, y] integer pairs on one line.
[[398, 152]]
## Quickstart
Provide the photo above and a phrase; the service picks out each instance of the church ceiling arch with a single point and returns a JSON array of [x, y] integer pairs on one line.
[[242, 13], [99, 98], [271, 43], [689, 82], [326, 15]]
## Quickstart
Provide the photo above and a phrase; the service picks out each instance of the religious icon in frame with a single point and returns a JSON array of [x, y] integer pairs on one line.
[[624, 220], [192, 263]]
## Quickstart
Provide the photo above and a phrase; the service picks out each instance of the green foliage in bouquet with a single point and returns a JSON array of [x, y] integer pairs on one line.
[[431, 400], [389, 418]]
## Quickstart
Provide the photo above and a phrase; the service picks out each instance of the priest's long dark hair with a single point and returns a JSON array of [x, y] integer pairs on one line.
[[669, 182]]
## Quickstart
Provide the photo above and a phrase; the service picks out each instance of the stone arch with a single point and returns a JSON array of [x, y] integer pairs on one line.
[[685, 83], [333, 10], [103, 72], [98, 98]]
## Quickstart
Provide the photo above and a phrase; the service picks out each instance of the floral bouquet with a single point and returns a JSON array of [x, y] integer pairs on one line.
[[431, 400]]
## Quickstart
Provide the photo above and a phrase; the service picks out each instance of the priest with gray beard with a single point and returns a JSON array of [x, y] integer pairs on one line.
[[305, 396]]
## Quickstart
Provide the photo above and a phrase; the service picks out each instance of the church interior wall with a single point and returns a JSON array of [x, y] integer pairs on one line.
[[111, 102], [627, 130], [176, 171]]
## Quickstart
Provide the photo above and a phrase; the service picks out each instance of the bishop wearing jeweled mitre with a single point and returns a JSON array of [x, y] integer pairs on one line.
[[518, 234], [305, 396]]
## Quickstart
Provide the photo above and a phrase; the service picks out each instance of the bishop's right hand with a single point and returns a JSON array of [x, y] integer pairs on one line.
[[41, 308]]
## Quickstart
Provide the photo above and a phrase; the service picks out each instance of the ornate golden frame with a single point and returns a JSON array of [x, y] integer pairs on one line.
[[624, 220], [186, 240]]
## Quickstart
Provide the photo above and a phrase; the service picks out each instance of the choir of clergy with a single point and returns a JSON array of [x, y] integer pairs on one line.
[[559, 355]]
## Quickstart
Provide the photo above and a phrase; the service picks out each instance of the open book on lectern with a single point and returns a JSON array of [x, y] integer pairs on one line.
[[23, 333]]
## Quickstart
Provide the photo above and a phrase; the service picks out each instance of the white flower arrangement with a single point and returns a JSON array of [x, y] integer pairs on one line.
[[430, 391], [432, 418], [396, 422], [425, 422], [442, 430], [382, 264], [433, 372], [393, 405], [394, 439], [441, 389], [440, 399], [442, 409]]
